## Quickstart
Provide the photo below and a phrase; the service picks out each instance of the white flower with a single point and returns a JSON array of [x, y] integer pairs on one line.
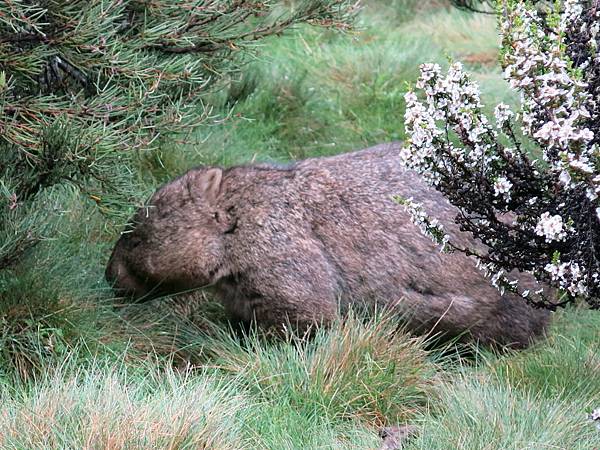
[[569, 276], [428, 72], [405, 155], [564, 178], [550, 227], [581, 163], [503, 114], [502, 187], [428, 226], [595, 416]]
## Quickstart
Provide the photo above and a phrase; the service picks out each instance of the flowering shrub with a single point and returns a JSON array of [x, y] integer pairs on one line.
[[536, 215]]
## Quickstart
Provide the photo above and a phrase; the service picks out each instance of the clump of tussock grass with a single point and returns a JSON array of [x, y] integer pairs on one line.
[[481, 413], [110, 406], [330, 391], [358, 369]]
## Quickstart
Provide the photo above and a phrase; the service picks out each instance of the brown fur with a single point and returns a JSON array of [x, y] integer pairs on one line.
[[302, 242]]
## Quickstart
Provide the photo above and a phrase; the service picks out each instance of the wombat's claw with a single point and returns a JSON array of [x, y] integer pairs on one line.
[[394, 437]]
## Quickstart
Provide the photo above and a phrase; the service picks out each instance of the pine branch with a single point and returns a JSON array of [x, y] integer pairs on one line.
[[86, 84]]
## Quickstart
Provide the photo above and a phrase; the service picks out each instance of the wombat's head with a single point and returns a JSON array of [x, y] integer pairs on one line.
[[175, 243]]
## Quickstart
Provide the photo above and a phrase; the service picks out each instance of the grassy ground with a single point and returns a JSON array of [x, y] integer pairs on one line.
[[78, 371]]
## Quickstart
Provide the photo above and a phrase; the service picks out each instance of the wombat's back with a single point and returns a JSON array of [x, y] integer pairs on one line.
[[383, 257]]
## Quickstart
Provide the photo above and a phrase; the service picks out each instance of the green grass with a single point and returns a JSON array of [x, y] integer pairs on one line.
[[568, 365], [330, 392], [78, 370], [537, 398], [483, 413], [316, 93], [106, 406], [357, 370]]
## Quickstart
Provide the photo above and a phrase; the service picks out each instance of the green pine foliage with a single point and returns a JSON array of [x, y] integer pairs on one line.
[[86, 84]]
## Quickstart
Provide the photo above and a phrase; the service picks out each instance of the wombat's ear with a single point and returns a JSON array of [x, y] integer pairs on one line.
[[206, 184]]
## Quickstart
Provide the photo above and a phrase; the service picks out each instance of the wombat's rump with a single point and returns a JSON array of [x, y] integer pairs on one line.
[[302, 242]]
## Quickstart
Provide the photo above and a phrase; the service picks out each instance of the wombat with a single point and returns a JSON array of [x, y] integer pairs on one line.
[[301, 243]]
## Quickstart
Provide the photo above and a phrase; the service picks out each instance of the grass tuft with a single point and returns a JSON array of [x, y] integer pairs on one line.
[[367, 370], [110, 407], [481, 413]]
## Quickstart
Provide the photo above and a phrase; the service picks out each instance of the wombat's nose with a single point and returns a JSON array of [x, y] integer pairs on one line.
[[113, 271], [123, 281], [120, 280], [117, 274]]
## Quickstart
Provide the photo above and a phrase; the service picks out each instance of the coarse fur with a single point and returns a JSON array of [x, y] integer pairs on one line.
[[302, 242]]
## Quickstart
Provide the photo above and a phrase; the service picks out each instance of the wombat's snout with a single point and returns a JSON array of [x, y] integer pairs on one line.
[[116, 275], [122, 280]]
